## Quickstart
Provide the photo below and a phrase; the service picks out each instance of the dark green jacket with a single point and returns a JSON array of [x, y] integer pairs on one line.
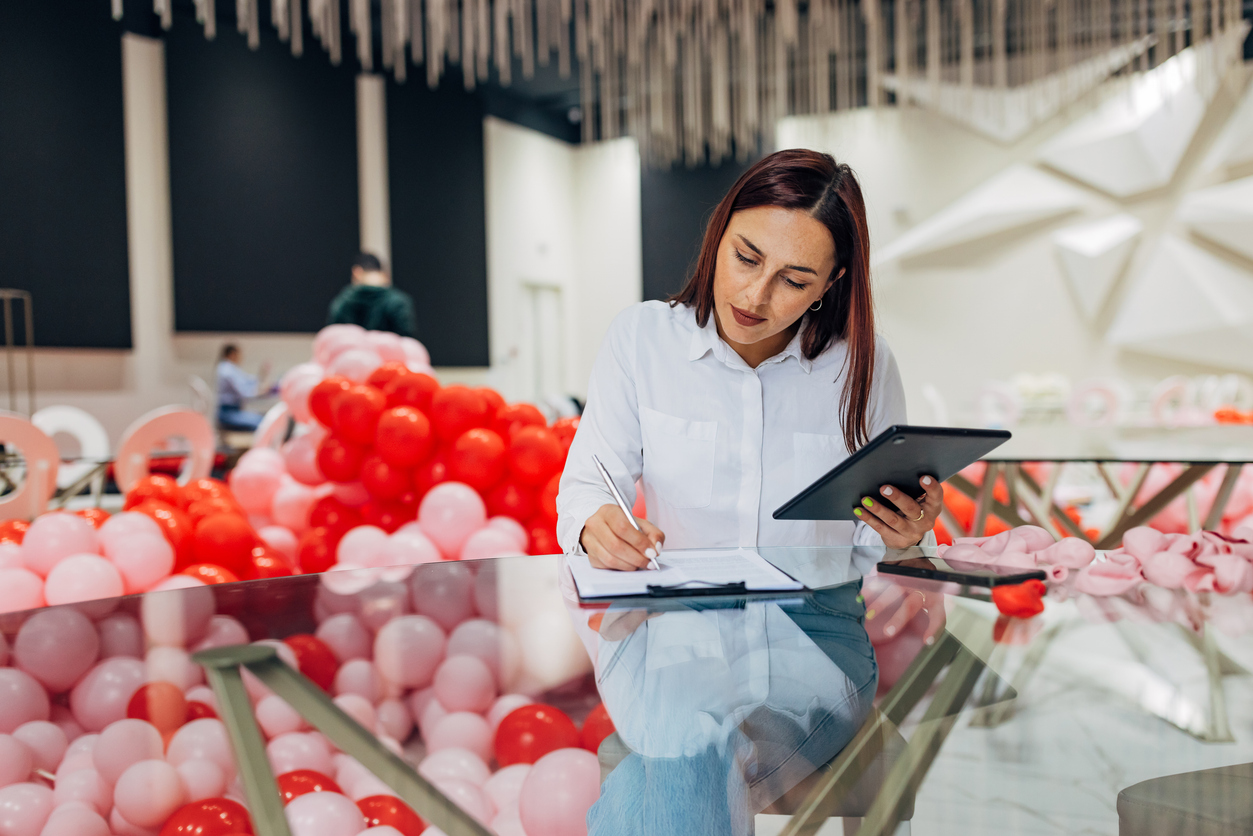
[[375, 309]]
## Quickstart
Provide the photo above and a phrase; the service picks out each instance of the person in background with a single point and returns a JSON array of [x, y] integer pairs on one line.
[[235, 387], [371, 301]]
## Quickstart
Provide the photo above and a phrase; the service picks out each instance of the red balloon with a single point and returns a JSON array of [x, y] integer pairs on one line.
[[541, 536], [175, 525], [431, 473], [565, 429], [160, 703], [210, 573], [357, 413], [386, 373], [411, 389], [388, 516], [13, 531], [596, 728], [390, 811], [322, 398], [316, 552], [548, 499], [478, 458], [535, 454], [197, 710], [338, 460], [509, 499], [206, 488], [202, 508], [403, 437], [226, 540], [267, 564], [457, 409], [492, 397], [384, 481], [301, 781], [513, 417], [208, 817], [314, 658], [157, 486], [532, 731], [96, 516], [332, 514]]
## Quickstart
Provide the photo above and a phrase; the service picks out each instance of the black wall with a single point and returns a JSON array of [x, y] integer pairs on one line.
[[675, 205], [263, 180], [438, 215], [62, 171]]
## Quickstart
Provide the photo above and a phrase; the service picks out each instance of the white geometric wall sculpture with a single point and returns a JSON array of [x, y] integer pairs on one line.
[[1018, 196], [1234, 145], [1134, 142], [1223, 214], [1093, 255], [1189, 305]]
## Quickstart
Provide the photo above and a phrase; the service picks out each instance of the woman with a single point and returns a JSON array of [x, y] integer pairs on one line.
[[762, 374], [235, 388]]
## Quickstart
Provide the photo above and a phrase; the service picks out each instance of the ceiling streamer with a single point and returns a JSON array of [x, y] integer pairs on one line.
[[706, 80]]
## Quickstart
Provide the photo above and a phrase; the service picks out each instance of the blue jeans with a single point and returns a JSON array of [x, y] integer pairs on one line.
[[234, 418], [718, 791]]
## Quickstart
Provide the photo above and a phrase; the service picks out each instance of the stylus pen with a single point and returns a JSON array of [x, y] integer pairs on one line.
[[617, 497]]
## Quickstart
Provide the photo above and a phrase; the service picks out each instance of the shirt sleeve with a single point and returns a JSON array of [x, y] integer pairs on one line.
[[609, 429], [237, 381]]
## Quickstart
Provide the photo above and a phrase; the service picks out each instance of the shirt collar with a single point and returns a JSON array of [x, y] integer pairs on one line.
[[706, 340]]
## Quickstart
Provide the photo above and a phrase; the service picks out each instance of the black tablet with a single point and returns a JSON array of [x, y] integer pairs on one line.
[[899, 456]]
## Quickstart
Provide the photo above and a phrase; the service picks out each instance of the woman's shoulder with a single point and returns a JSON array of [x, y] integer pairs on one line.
[[654, 317]]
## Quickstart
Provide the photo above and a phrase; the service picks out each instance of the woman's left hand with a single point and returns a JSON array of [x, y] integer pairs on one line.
[[907, 528]]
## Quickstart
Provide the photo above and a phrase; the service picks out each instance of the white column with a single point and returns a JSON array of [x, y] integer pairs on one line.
[[148, 235], [375, 211]]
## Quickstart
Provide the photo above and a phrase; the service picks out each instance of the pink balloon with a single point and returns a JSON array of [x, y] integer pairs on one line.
[[202, 740], [297, 399], [469, 798], [24, 809], [444, 592], [558, 792], [75, 820], [511, 527], [450, 512], [381, 602], [361, 545], [503, 705], [255, 486], [63, 719], [54, 537], [394, 720], [16, 761], [119, 528], [508, 824], [56, 647], [462, 730], [20, 589], [290, 507], [276, 717], [489, 542], [84, 786], [408, 649], [356, 364], [358, 708], [148, 793], [121, 827], [4, 650], [124, 743], [464, 683], [345, 636], [46, 741], [427, 711], [491, 643], [172, 664], [177, 618], [177, 582], [82, 577], [350, 493], [461, 764], [23, 699], [415, 353], [299, 750], [201, 779], [408, 546], [281, 540], [324, 814], [256, 689], [223, 631], [382, 830], [359, 676], [485, 592], [260, 458], [11, 556], [145, 561], [101, 696], [387, 345], [301, 457], [504, 788], [326, 341], [120, 635]]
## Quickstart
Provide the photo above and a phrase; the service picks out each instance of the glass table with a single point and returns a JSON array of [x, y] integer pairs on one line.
[[864, 705]]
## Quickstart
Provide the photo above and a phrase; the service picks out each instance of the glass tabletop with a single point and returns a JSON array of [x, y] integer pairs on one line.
[[481, 697], [1232, 444]]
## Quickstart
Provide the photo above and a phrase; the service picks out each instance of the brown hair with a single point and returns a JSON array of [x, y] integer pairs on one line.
[[829, 192]]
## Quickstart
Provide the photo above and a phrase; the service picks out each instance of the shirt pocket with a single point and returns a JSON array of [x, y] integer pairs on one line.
[[679, 457], [813, 455]]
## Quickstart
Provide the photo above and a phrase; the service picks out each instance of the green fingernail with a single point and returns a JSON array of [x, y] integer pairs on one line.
[[857, 511], [867, 501]]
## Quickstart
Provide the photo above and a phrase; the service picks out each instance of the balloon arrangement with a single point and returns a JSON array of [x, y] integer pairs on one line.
[[107, 727]]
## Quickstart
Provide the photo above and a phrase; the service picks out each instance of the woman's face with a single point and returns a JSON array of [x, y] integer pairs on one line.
[[773, 263]]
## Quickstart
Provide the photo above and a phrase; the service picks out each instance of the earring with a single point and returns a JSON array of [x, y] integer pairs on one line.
[[816, 305]]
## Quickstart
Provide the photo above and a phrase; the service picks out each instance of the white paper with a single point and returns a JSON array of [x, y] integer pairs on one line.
[[696, 568]]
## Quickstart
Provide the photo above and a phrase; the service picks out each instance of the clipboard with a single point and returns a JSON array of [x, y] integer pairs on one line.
[[686, 573]]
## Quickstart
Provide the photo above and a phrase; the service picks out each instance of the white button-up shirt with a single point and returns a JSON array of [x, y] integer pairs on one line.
[[719, 445]]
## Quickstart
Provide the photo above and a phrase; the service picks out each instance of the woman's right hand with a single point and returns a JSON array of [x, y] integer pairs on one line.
[[611, 542]]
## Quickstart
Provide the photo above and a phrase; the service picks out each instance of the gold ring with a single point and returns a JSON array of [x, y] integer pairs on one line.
[[921, 514]]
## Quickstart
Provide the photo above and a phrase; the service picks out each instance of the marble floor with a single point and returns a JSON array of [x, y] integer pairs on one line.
[[1077, 736]]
